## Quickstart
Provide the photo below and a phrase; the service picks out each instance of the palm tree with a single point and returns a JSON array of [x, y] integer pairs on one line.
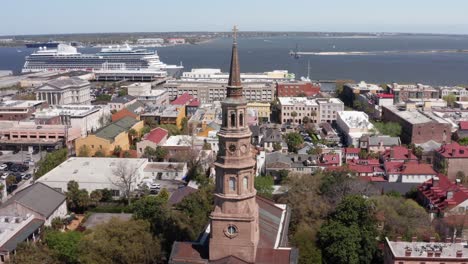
[[132, 135]]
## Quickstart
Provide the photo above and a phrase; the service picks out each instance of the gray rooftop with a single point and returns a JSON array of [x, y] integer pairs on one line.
[[67, 83], [420, 249], [385, 140], [39, 198], [415, 116], [112, 130], [123, 99]]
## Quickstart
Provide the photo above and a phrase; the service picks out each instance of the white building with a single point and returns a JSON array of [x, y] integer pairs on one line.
[[207, 74], [461, 93], [155, 96], [147, 41], [72, 90], [354, 124], [169, 171], [86, 118], [294, 109], [93, 173], [136, 89], [328, 109]]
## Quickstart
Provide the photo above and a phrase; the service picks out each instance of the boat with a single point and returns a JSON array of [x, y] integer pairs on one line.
[[67, 58]]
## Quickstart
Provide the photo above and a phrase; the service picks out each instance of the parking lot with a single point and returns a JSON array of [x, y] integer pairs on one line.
[[22, 157]]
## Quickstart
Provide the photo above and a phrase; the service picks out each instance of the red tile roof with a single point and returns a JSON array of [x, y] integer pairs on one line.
[[156, 135], [464, 125], [382, 95], [183, 99], [399, 153], [453, 150], [418, 169], [352, 150], [194, 103], [330, 159], [372, 178], [436, 192]]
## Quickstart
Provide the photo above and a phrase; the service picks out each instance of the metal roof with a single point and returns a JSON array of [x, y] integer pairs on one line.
[[22, 235], [112, 130]]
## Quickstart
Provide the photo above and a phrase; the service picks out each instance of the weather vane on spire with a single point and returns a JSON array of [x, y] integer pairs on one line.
[[234, 31]]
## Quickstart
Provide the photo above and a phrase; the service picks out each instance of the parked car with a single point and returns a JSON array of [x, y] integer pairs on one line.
[[27, 176], [5, 175], [3, 167], [28, 160]]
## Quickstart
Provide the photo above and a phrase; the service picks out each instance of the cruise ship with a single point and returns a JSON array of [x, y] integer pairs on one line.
[[67, 58]]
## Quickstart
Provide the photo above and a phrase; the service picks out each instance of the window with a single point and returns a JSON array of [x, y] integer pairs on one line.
[[245, 183], [241, 119], [232, 184], [233, 119]]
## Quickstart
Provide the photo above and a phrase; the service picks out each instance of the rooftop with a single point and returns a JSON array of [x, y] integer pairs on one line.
[[39, 198], [415, 116], [14, 230], [421, 249], [19, 103], [89, 170], [156, 135], [297, 101], [65, 83], [112, 130], [69, 110], [442, 193], [123, 99], [453, 150], [355, 119], [183, 99]]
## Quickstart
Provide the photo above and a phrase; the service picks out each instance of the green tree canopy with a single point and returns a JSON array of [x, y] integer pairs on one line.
[[118, 241], [64, 245], [264, 185], [51, 161], [33, 253], [77, 200], [294, 141], [83, 151], [388, 128], [450, 99]]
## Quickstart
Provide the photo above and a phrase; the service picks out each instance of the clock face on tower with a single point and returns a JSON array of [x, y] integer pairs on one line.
[[232, 148]]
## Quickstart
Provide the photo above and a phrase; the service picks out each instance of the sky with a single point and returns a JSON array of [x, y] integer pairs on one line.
[[23, 17]]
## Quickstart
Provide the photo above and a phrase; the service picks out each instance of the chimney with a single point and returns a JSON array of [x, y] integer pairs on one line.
[[430, 253], [448, 240], [435, 181], [458, 240], [408, 252], [449, 195], [437, 254], [432, 239], [392, 153], [459, 253], [454, 151], [457, 181], [414, 239]]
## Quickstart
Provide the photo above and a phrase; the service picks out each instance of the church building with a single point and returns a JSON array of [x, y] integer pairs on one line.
[[244, 228]]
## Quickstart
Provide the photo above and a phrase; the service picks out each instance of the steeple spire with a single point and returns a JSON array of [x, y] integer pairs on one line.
[[234, 84]]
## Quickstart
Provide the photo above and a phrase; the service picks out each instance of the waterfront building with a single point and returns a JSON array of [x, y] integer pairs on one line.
[[353, 124], [215, 75], [404, 92], [460, 93], [65, 91], [297, 89], [107, 138], [20, 109], [418, 126], [209, 92], [147, 41], [244, 228]]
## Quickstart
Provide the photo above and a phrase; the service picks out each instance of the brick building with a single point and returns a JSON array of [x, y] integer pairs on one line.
[[19, 110], [297, 88], [450, 159], [405, 92], [418, 126]]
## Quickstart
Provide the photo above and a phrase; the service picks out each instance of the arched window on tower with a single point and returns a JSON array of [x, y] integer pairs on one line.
[[233, 119], [245, 183], [241, 119], [232, 184], [225, 119]]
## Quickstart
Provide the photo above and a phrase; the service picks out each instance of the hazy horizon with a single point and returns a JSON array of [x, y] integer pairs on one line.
[[47, 17]]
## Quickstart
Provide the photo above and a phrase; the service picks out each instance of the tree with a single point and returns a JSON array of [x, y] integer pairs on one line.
[[33, 253], [264, 185], [294, 141], [77, 200], [64, 245], [293, 114], [389, 128], [120, 241], [57, 223], [357, 105], [314, 151], [349, 236], [184, 126], [50, 161], [83, 151], [117, 150], [146, 129], [103, 97], [95, 196], [132, 134], [125, 179], [158, 154], [283, 175], [462, 177], [277, 146], [99, 153], [450, 99], [305, 120], [206, 146], [363, 154], [304, 240]]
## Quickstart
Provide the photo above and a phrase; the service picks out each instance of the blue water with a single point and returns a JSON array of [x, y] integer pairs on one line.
[[266, 54]]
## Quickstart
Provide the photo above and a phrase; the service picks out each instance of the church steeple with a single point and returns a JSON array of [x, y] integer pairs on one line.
[[234, 88], [234, 221]]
